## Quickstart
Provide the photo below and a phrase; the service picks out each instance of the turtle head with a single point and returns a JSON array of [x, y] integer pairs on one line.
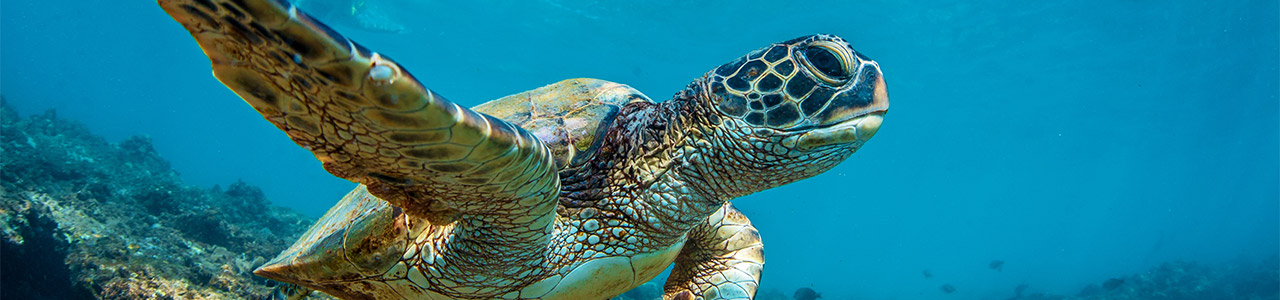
[[802, 84], [791, 110]]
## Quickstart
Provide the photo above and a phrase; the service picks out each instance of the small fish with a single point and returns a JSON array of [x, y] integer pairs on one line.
[[806, 294], [997, 265], [926, 273], [948, 288]]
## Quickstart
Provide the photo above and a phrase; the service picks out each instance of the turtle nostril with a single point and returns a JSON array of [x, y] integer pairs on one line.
[[880, 95]]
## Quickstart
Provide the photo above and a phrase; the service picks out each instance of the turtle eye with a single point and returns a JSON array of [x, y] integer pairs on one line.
[[827, 61]]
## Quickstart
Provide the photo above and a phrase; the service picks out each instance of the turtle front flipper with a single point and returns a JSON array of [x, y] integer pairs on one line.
[[722, 259], [369, 121]]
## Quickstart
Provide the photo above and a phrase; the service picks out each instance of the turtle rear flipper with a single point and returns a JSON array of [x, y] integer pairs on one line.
[[722, 259], [369, 121]]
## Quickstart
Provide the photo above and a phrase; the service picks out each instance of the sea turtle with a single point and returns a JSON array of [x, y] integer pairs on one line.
[[581, 189]]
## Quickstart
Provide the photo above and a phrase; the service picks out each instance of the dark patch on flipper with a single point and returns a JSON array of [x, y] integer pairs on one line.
[[240, 29], [235, 11], [390, 179], [207, 5], [333, 73], [412, 138], [203, 16], [258, 89], [263, 32], [296, 43]]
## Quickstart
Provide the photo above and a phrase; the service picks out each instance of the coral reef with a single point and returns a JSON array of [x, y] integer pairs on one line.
[[1256, 280], [83, 218]]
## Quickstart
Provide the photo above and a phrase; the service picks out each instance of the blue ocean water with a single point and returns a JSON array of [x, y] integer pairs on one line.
[[1074, 140]]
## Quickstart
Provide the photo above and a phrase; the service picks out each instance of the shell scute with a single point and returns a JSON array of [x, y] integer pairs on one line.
[[569, 116]]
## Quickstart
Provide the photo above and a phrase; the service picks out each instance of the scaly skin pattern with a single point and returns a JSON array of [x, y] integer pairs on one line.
[[582, 189], [722, 260]]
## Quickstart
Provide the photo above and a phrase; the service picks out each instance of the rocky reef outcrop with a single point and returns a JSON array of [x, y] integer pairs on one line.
[[82, 218], [1184, 280]]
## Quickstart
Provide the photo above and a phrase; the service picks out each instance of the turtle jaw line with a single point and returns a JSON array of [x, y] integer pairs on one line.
[[802, 129], [853, 131]]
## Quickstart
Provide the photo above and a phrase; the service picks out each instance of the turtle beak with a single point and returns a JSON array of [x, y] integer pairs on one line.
[[880, 95], [854, 132], [858, 123]]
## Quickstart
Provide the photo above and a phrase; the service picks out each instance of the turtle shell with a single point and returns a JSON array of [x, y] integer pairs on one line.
[[569, 116]]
